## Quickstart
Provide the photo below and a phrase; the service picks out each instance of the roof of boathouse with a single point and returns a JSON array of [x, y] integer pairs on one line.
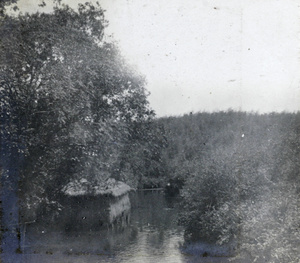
[[109, 188]]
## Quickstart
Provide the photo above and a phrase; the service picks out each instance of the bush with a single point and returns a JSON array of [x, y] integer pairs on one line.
[[241, 181]]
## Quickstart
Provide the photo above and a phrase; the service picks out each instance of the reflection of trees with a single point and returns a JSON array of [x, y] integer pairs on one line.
[[157, 223]]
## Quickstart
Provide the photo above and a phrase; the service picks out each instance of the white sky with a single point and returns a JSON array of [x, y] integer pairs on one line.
[[209, 55]]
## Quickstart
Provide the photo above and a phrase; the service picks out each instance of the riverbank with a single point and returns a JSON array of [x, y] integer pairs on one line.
[[151, 235]]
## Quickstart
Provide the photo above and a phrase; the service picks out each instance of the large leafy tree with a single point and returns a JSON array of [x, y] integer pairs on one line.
[[70, 104]]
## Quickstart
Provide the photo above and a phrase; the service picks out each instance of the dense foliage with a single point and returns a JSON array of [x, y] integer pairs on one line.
[[71, 109], [242, 183], [71, 105]]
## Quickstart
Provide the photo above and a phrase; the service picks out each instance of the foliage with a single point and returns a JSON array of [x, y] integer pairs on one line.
[[144, 167], [241, 180], [70, 102], [4, 4]]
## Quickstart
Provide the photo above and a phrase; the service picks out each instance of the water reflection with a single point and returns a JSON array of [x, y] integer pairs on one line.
[[152, 236]]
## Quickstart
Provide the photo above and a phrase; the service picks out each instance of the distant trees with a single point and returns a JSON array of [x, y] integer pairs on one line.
[[142, 160], [241, 180], [72, 108], [71, 104]]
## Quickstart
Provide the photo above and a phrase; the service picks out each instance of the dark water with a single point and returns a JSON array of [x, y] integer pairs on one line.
[[152, 236]]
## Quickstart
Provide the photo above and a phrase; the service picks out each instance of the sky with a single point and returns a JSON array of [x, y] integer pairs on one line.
[[209, 55]]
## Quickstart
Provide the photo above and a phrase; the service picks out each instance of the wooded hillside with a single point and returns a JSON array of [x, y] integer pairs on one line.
[[241, 180]]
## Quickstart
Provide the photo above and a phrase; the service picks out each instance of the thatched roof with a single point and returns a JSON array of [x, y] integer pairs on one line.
[[109, 188]]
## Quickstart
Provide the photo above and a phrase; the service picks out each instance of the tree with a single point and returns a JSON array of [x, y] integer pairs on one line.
[[69, 102], [141, 158], [241, 181]]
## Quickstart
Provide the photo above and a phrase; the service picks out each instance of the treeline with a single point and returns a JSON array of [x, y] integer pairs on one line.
[[71, 107], [241, 180]]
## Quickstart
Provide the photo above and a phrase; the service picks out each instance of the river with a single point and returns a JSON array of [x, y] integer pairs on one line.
[[151, 236]]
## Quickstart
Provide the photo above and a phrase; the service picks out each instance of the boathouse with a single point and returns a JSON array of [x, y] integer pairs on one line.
[[91, 207]]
